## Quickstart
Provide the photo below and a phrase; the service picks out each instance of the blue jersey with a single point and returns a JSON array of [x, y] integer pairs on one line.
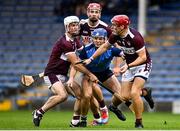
[[102, 62]]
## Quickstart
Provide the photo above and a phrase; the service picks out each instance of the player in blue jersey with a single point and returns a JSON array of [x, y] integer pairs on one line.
[[100, 67]]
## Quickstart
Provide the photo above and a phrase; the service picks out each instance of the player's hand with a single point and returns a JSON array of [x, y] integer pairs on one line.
[[93, 78], [69, 83], [124, 68], [87, 61], [116, 71]]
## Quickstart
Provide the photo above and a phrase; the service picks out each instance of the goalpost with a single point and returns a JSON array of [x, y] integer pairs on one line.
[[142, 7]]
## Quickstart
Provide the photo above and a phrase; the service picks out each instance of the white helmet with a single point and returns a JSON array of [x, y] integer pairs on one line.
[[70, 19]]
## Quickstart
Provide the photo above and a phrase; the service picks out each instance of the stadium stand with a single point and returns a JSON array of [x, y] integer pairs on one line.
[[28, 28]]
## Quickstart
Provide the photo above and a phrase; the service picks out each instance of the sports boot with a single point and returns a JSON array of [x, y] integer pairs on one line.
[[118, 113], [148, 98], [36, 118]]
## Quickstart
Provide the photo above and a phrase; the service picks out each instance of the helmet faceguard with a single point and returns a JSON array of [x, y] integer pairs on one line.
[[121, 20]]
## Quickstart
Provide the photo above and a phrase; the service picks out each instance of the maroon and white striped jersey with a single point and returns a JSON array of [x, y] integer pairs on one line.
[[132, 43], [58, 63], [86, 29]]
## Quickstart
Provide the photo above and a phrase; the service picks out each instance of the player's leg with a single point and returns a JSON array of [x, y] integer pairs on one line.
[[60, 95], [28, 80], [75, 122], [97, 92], [96, 112], [75, 90], [85, 101], [137, 85], [113, 84]]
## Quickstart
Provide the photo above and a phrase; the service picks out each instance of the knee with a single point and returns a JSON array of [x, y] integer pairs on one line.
[[135, 94], [125, 98], [87, 96], [78, 96], [62, 97]]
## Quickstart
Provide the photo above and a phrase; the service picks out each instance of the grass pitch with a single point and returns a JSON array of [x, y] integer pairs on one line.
[[59, 120]]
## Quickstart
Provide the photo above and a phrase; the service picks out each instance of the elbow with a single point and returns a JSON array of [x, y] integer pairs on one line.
[[144, 58], [76, 66]]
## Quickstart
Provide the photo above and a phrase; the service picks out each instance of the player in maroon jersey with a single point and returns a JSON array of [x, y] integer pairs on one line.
[[138, 64], [86, 27], [55, 74]]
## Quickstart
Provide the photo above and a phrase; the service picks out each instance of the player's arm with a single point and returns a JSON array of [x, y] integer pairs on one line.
[[104, 47], [116, 62], [141, 58], [72, 74], [74, 59]]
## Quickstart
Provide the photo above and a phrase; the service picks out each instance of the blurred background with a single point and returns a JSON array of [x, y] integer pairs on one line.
[[28, 29]]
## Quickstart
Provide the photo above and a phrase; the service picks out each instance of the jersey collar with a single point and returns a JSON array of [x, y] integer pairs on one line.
[[68, 38], [128, 32], [94, 25]]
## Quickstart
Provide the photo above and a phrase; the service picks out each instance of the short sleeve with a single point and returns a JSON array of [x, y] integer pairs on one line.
[[82, 54], [116, 52], [79, 45], [139, 42], [112, 39]]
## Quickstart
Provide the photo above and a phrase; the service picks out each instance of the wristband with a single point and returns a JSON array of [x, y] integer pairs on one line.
[[91, 58]]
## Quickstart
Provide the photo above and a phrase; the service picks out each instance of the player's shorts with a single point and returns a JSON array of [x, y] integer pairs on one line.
[[104, 75], [142, 71], [50, 79]]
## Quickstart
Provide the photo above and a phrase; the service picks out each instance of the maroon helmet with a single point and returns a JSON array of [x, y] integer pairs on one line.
[[94, 6]]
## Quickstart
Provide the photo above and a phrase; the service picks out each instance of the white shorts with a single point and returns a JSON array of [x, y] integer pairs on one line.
[[142, 71], [52, 78]]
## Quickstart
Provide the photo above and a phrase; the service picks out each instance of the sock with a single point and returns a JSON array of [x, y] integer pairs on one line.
[[40, 111], [83, 118], [101, 104], [139, 121], [104, 108], [75, 120]]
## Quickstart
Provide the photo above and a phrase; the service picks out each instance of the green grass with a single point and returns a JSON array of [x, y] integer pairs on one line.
[[58, 120]]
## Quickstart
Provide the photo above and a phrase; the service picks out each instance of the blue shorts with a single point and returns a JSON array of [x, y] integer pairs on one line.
[[103, 75]]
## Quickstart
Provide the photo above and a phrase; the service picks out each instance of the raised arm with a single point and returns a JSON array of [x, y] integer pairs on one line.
[[104, 47]]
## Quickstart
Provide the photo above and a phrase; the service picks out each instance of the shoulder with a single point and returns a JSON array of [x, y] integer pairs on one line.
[[83, 21], [103, 23], [89, 46], [135, 35], [61, 41]]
